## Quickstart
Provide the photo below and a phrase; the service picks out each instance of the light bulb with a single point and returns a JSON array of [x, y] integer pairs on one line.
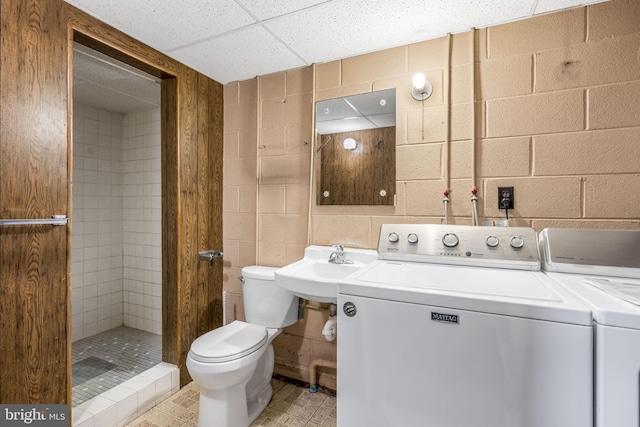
[[349, 144], [419, 81]]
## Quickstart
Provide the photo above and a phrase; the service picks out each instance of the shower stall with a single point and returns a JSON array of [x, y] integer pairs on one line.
[[117, 247], [116, 235]]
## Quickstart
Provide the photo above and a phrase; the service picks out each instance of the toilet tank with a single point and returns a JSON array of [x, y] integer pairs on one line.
[[265, 303]]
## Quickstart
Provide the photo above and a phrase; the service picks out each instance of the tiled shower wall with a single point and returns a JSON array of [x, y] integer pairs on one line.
[[116, 260], [97, 221], [142, 221], [557, 101]]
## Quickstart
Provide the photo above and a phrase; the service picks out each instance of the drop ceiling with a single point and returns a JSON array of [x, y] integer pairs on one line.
[[230, 40]]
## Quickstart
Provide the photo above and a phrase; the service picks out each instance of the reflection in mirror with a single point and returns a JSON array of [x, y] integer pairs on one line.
[[356, 149]]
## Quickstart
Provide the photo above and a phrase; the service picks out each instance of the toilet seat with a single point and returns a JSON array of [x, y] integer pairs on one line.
[[230, 342]]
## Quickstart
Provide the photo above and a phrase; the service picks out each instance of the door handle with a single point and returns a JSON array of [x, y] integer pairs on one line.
[[209, 255], [55, 220]]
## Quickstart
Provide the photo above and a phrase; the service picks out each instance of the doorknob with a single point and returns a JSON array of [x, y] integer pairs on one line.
[[209, 255]]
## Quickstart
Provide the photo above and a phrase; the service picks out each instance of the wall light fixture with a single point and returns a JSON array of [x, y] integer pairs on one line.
[[422, 87]]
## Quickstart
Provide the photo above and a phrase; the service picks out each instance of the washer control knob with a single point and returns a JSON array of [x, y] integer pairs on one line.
[[393, 237], [412, 238], [450, 240], [517, 242], [492, 241]]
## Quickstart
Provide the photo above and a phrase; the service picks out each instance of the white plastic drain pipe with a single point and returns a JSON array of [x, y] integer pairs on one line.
[[330, 329]]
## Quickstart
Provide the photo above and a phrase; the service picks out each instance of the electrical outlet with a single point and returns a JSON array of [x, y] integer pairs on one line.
[[505, 193]]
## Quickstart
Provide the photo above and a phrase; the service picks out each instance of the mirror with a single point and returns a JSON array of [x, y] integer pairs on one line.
[[356, 149]]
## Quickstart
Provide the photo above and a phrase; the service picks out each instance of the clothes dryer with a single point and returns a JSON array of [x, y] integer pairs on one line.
[[602, 267], [456, 326]]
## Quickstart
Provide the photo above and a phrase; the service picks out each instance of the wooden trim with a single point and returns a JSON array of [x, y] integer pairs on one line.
[[188, 203], [102, 37], [69, 227], [171, 259], [215, 122]]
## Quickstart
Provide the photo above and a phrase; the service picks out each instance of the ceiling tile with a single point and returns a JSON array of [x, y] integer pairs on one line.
[[342, 29], [545, 6], [240, 55], [230, 40], [166, 24], [265, 9]]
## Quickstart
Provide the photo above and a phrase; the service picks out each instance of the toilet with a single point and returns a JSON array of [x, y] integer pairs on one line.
[[233, 364]]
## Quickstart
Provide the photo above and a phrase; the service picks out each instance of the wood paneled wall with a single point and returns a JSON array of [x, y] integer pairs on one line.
[[35, 181], [34, 260], [358, 176]]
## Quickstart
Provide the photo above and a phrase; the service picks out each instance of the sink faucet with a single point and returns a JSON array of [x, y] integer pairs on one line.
[[338, 256]]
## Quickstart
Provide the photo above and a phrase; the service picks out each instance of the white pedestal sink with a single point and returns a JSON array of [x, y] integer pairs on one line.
[[315, 278]]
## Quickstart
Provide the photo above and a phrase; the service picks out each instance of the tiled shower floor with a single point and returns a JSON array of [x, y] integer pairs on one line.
[[104, 360]]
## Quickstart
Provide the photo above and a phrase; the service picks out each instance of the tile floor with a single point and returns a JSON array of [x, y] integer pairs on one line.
[[102, 361], [118, 375], [291, 406]]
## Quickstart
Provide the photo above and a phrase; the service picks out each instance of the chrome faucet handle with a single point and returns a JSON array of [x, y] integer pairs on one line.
[[338, 256]]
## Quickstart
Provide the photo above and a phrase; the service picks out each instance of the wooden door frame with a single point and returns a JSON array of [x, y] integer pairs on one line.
[[192, 129], [170, 173]]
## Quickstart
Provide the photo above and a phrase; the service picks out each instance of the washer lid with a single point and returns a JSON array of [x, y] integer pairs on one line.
[[229, 342], [601, 294], [517, 293]]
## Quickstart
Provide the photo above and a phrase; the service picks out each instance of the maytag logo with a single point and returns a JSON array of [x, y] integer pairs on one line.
[[445, 318]]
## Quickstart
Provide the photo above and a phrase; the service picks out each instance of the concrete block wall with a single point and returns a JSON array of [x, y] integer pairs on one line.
[[557, 117], [239, 202]]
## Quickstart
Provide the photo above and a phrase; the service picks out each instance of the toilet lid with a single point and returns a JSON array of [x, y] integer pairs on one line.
[[229, 342]]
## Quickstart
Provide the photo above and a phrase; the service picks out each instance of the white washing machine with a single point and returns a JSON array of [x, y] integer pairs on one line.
[[456, 326], [603, 268]]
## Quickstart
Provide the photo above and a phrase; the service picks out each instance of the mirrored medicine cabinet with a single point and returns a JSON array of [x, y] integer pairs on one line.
[[356, 149]]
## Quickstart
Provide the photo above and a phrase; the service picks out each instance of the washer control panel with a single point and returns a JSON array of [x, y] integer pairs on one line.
[[504, 247]]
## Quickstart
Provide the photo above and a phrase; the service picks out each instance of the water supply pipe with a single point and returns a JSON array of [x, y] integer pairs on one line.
[[447, 141], [312, 372], [474, 204], [474, 191], [445, 200]]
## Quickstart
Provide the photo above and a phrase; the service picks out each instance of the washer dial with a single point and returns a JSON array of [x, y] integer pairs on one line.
[[393, 237], [492, 241], [450, 240], [412, 238], [517, 242]]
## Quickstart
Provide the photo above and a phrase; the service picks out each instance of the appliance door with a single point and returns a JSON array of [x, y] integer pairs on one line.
[[617, 377], [404, 364]]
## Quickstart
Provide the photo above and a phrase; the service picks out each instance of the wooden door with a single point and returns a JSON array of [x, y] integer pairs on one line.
[[34, 177], [35, 321]]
